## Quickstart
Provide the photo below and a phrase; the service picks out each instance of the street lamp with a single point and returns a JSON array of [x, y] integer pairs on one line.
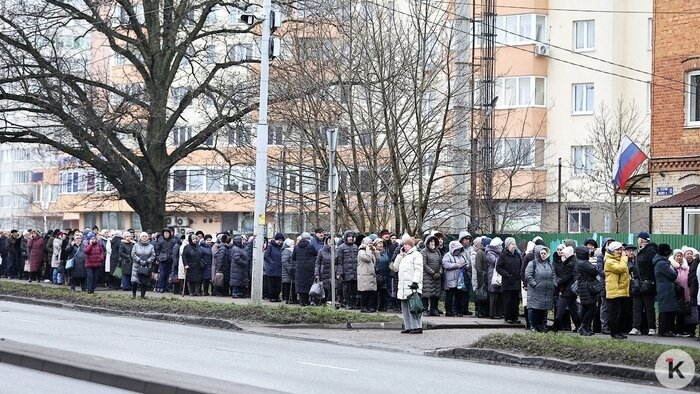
[[332, 136]]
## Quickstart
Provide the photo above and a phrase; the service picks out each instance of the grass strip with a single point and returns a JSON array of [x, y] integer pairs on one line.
[[281, 314], [582, 349]]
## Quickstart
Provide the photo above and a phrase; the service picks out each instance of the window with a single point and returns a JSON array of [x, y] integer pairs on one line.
[[650, 33], [519, 152], [20, 202], [215, 178], [582, 159], [430, 102], [584, 35], [21, 154], [516, 29], [70, 182], [649, 97], [583, 98], [692, 102], [239, 135], [520, 92], [181, 134], [240, 179], [692, 221], [21, 177], [240, 52], [579, 220], [179, 180], [275, 135]]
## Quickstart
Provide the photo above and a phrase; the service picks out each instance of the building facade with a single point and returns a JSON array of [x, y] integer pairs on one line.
[[675, 138], [564, 78]]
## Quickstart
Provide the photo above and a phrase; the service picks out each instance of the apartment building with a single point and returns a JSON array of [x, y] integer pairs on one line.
[[675, 143], [559, 69]]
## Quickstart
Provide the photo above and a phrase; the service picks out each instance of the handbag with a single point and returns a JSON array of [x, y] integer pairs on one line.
[[218, 279], [317, 290], [117, 272], [641, 286], [26, 266], [481, 294], [415, 304], [496, 279], [143, 270], [460, 281], [574, 287], [70, 263]]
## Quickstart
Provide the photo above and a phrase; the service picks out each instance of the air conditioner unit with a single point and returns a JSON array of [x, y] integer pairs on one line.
[[170, 221], [541, 49], [182, 221]]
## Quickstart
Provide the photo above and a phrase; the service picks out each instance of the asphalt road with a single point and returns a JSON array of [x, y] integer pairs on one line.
[[17, 380], [277, 363]]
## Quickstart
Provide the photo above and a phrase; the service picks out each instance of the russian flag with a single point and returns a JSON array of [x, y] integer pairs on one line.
[[629, 157]]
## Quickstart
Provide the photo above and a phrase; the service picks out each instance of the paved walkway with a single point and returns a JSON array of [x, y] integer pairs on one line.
[[452, 332]]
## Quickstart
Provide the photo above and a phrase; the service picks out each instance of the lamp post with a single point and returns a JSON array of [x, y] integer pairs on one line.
[[259, 221], [332, 135]]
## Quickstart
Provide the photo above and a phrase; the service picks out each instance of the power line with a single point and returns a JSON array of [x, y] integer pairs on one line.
[[578, 10], [549, 56]]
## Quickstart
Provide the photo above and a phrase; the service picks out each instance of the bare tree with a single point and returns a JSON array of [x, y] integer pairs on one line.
[[595, 162], [130, 88]]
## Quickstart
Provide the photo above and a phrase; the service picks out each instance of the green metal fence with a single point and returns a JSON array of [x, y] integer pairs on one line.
[[675, 240]]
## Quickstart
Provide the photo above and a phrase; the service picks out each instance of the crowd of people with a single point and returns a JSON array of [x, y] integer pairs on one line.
[[613, 289]]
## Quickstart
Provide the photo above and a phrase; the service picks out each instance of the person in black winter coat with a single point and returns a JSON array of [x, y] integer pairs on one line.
[[586, 278], [272, 280], [508, 266], [240, 266], [165, 259], [564, 279], [346, 264], [322, 270], [304, 256], [78, 272], [207, 258], [192, 259], [644, 293], [222, 260]]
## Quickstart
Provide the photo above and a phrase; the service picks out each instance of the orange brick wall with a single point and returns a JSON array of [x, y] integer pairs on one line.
[[676, 51]]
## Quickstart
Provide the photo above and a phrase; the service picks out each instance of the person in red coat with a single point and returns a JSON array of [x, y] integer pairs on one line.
[[94, 256], [35, 247]]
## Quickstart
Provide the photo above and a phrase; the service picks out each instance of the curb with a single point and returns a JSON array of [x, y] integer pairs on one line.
[[585, 368], [118, 374], [169, 317]]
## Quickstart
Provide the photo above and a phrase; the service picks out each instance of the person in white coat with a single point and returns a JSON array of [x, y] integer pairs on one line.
[[409, 265]]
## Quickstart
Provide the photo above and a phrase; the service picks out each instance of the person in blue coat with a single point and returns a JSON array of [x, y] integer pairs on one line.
[[272, 280], [665, 275]]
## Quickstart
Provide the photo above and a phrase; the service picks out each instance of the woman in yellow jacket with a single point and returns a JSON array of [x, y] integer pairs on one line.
[[617, 287]]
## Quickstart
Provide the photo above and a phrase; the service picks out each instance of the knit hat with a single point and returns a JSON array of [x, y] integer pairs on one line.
[[305, 235], [496, 242], [485, 241], [509, 241], [614, 245], [279, 236], [582, 253], [664, 250], [117, 233], [378, 241]]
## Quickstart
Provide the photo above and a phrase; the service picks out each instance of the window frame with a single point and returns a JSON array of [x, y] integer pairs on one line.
[[587, 157], [501, 92], [587, 46], [579, 212], [586, 111], [689, 99], [502, 35]]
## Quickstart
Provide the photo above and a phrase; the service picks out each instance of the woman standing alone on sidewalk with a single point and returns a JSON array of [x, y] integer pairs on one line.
[[409, 265], [142, 257]]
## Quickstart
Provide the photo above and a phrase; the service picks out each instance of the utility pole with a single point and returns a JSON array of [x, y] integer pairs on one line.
[[259, 220], [559, 200], [332, 135]]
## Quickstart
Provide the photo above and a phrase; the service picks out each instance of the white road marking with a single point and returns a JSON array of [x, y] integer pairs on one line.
[[29, 321], [327, 366], [149, 339]]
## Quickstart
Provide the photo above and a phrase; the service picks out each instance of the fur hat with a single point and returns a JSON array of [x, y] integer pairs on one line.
[[664, 250], [567, 252]]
